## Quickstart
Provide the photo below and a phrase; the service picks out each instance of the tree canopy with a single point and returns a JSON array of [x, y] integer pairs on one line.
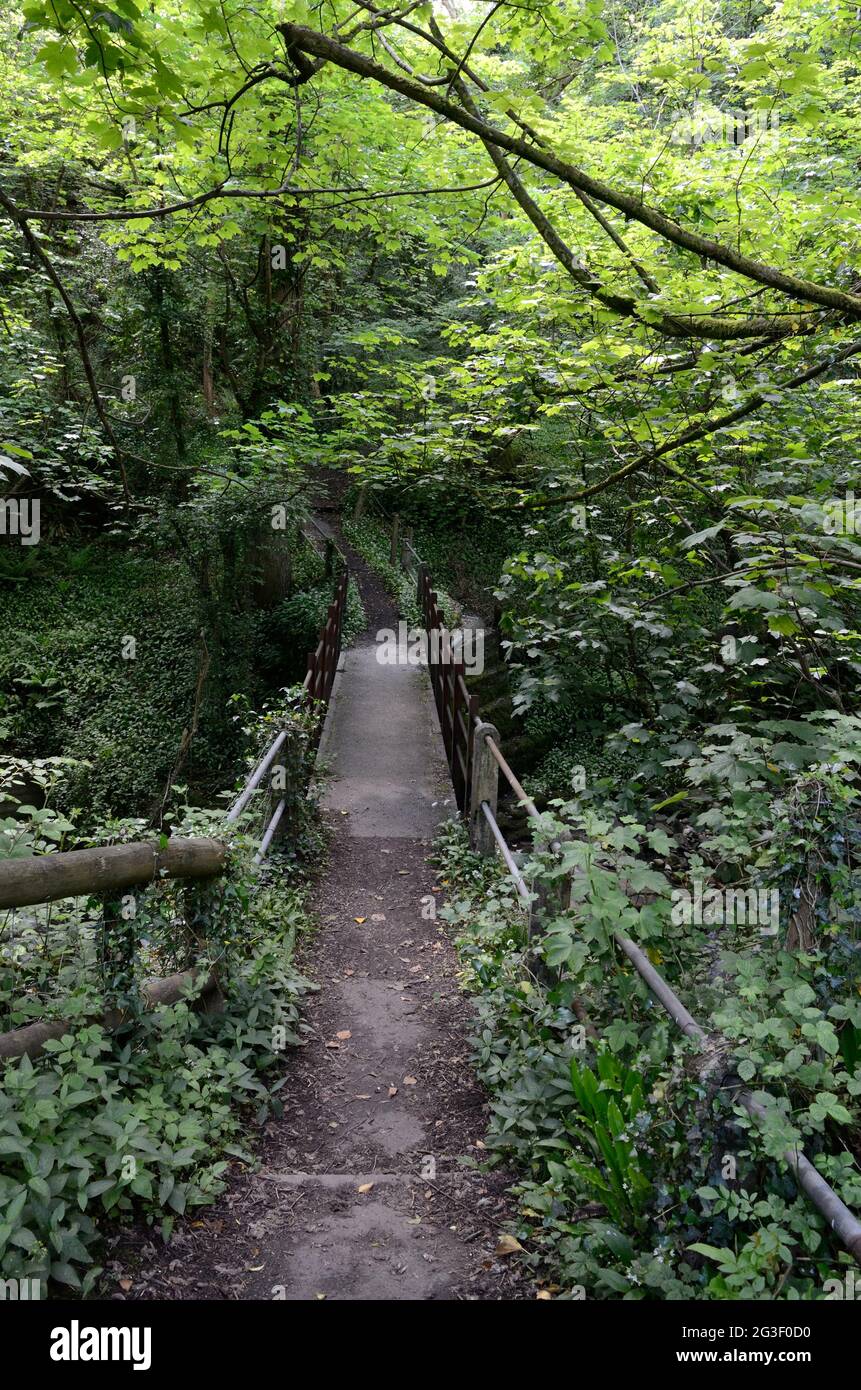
[[572, 287]]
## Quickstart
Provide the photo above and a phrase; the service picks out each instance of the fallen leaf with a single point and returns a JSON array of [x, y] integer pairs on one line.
[[480, 1144], [393, 1091], [360, 919], [336, 1046], [125, 1285], [378, 916], [410, 1081], [365, 1187], [344, 1034], [542, 1293], [508, 1245], [363, 1095]]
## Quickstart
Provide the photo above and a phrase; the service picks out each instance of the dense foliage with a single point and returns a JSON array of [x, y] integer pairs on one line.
[[141, 1116], [572, 287]]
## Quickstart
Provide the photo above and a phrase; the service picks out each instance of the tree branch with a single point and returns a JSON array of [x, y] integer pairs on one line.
[[701, 430], [20, 221], [322, 46]]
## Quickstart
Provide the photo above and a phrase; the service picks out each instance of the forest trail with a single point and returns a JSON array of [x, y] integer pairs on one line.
[[362, 1194]]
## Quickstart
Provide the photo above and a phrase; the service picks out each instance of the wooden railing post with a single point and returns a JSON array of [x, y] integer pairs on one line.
[[484, 787], [200, 905], [396, 530]]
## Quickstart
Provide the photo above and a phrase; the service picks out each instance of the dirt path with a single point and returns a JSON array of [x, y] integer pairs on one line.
[[363, 1193]]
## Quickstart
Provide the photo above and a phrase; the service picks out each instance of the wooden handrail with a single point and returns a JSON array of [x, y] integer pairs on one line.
[[42, 878]]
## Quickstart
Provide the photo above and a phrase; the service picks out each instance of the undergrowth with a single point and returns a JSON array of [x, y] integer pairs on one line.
[[143, 1122], [102, 649], [370, 539], [642, 1176]]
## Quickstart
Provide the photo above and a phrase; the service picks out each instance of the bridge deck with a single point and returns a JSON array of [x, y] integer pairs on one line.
[[380, 1106], [383, 750]]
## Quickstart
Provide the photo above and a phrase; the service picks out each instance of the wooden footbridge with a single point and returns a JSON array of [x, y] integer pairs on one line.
[[477, 767]]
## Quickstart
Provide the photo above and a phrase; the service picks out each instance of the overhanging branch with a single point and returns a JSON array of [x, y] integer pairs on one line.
[[806, 291]]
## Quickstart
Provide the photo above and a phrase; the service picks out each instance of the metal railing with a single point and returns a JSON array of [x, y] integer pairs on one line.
[[317, 690], [107, 872], [323, 660], [323, 543], [476, 762]]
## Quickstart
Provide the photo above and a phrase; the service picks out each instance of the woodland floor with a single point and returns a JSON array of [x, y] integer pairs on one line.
[[382, 1093]]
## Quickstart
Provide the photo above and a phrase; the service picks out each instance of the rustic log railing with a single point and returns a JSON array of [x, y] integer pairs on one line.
[[107, 873], [98, 872]]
